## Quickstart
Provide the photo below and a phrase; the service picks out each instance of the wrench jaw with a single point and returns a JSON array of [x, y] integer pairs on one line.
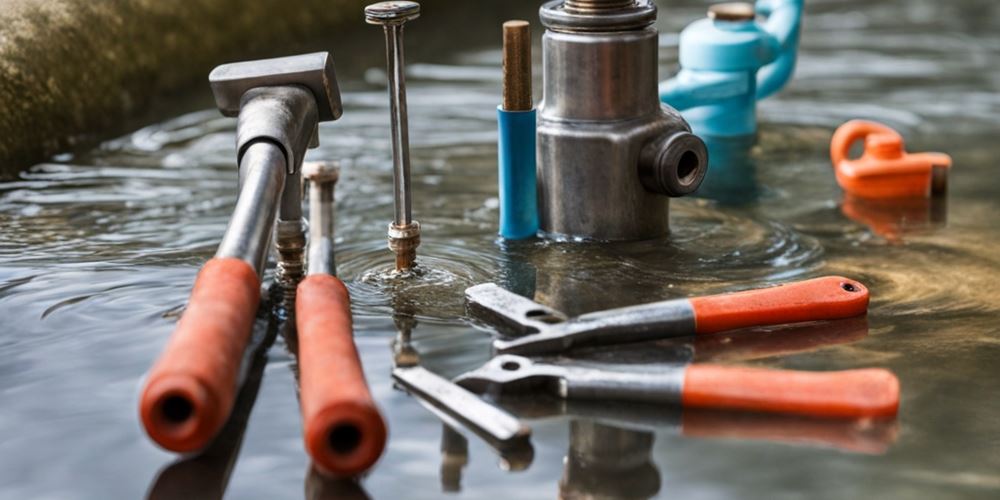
[[507, 375], [512, 313]]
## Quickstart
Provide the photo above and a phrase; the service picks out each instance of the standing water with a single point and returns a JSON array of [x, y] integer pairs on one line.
[[98, 253]]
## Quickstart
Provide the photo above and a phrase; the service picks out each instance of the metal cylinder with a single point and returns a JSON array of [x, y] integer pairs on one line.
[[262, 171], [600, 111], [322, 184]]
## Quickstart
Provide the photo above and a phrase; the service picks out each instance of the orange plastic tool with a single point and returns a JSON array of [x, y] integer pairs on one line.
[[885, 169], [854, 393], [343, 430], [191, 389], [832, 297]]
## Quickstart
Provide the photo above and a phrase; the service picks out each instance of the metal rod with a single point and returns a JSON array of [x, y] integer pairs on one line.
[[517, 66], [400, 124], [248, 235], [404, 232], [322, 178]]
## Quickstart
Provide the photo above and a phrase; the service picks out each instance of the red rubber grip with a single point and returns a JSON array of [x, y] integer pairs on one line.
[[832, 297], [853, 393], [343, 430], [192, 387]]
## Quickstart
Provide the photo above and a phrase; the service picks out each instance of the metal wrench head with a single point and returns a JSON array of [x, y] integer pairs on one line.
[[516, 314], [508, 373], [313, 71]]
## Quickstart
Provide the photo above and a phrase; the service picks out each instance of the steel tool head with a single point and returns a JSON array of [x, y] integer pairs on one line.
[[510, 373], [519, 316], [389, 13], [313, 71]]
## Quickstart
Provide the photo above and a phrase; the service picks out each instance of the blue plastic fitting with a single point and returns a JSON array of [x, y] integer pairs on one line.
[[518, 186], [728, 65]]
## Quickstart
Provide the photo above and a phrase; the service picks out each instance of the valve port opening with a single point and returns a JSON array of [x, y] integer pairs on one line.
[[344, 438], [687, 167]]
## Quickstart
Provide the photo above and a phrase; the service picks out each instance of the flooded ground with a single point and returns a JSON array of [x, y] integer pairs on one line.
[[98, 252]]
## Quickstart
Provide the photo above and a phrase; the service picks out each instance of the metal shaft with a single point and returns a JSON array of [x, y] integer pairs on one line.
[[404, 232], [400, 126], [322, 183], [263, 171], [517, 66]]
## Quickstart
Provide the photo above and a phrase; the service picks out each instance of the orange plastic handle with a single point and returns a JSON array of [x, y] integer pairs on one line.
[[343, 430], [192, 387], [885, 170], [845, 394], [832, 297]]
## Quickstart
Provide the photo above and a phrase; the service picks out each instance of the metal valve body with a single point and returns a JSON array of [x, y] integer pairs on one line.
[[609, 154]]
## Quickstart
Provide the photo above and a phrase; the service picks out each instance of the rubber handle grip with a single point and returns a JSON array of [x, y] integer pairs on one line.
[[832, 297], [191, 388], [343, 430], [853, 393]]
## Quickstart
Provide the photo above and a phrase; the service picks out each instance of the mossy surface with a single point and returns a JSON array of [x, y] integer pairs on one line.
[[71, 71]]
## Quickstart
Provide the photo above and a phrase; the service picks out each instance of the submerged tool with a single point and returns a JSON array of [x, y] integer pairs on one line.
[[516, 148], [729, 62], [190, 391], [344, 431], [851, 393], [543, 329], [610, 156], [885, 170], [404, 232]]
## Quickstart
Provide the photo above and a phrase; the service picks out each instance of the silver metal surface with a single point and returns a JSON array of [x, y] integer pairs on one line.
[[592, 131], [392, 16], [546, 330], [314, 71], [322, 177], [510, 374], [486, 420], [263, 171], [286, 116], [290, 239]]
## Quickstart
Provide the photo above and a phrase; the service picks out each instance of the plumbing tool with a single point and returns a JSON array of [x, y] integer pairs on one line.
[[404, 232], [844, 394], [344, 431], [498, 427], [190, 391], [885, 170], [729, 62], [543, 329], [516, 119], [609, 154]]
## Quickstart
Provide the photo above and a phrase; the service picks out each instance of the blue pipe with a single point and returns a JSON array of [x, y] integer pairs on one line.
[[518, 187], [727, 66]]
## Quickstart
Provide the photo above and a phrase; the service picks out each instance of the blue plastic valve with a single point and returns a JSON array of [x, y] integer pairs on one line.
[[731, 61], [518, 191]]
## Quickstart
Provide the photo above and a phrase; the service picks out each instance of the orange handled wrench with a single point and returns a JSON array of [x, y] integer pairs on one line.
[[843, 394], [191, 390], [546, 330], [343, 430]]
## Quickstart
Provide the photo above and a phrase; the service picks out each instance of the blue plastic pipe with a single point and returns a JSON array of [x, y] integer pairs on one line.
[[518, 191]]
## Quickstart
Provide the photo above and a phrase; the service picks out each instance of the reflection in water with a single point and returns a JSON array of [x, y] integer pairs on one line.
[[320, 487], [608, 462], [895, 218], [732, 171]]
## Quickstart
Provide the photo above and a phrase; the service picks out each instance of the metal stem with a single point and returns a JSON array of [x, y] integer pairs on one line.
[[400, 134], [321, 225], [263, 173]]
